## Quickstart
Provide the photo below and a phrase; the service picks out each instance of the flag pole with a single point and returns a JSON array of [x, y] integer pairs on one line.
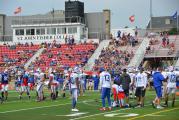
[[177, 23], [150, 14]]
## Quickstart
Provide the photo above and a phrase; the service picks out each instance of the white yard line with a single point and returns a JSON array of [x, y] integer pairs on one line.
[[40, 107], [33, 108]]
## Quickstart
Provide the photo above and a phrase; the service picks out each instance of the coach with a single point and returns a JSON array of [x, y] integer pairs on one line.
[[125, 81]]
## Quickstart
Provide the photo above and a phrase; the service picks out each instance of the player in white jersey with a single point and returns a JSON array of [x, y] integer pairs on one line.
[[171, 87], [39, 81], [74, 86], [132, 85], [65, 83], [53, 85], [141, 84], [82, 82], [105, 86]]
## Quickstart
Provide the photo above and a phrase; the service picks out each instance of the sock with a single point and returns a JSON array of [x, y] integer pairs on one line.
[[2, 94]]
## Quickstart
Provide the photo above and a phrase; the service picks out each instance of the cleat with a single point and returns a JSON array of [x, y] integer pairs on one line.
[[173, 103], [165, 105], [159, 107], [109, 108], [153, 104], [102, 109], [1, 100], [74, 110]]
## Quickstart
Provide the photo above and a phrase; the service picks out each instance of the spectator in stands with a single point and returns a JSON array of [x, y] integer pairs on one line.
[[148, 50], [168, 41], [171, 48], [31, 44], [164, 42], [136, 33]]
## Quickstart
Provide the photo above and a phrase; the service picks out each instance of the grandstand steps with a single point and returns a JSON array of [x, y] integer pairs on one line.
[[146, 64], [91, 62], [169, 63], [139, 54], [33, 58], [177, 64]]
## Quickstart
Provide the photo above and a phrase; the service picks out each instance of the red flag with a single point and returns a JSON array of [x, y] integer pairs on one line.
[[132, 18], [17, 10]]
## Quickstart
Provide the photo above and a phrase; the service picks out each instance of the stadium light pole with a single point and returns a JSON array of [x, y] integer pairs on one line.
[[150, 14], [177, 23]]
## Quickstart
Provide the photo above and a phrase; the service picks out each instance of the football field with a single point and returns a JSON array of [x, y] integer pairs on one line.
[[88, 105]]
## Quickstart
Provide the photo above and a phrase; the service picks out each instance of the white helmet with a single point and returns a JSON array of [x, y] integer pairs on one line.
[[76, 69]]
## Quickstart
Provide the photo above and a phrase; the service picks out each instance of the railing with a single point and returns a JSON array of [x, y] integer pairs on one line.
[[159, 51], [21, 20]]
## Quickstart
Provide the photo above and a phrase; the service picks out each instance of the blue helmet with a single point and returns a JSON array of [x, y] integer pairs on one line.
[[102, 69]]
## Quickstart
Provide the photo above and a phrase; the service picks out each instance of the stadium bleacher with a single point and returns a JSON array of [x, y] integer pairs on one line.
[[64, 56], [15, 55]]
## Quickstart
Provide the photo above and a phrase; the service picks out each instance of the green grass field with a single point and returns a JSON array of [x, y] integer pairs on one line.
[[60, 109]]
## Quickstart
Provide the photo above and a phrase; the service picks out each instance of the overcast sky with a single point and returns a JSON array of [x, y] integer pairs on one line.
[[120, 9]]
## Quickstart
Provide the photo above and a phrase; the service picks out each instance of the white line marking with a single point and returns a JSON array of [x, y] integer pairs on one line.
[[99, 114], [130, 115], [113, 114], [105, 113], [33, 108], [74, 114], [40, 107]]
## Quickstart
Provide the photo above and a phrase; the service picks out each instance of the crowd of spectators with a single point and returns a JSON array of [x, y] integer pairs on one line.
[[16, 54], [113, 59], [65, 55], [124, 40], [164, 43]]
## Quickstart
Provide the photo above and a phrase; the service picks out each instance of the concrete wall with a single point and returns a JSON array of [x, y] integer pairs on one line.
[[107, 20], [96, 25], [2, 26]]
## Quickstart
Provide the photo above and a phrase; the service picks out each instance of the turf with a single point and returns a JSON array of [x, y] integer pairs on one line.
[[60, 109]]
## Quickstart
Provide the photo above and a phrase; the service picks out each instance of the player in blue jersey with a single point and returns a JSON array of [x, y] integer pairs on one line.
[[4, 82], [31, 81], [18, 81], [157, 81], [24, 85]]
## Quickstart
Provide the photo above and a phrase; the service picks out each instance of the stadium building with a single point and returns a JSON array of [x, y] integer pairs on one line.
[[56, 25]]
